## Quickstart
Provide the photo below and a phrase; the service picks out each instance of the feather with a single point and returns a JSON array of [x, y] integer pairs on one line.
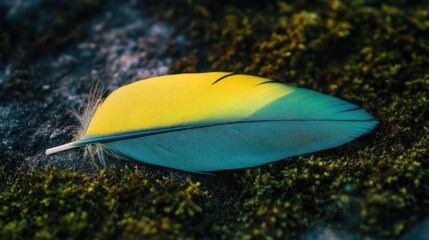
[[215, 121]]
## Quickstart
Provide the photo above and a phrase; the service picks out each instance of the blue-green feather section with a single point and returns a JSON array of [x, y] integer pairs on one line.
[[240, 145]]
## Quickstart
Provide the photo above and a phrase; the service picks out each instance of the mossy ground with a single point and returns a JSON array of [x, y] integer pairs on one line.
[[372, 53]]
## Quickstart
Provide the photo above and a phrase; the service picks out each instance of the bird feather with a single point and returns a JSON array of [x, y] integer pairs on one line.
[[203, 122]]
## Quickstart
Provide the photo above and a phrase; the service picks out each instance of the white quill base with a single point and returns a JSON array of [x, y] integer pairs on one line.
[[61, 148]]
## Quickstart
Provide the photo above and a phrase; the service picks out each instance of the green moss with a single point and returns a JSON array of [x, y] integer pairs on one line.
[[373, 53], [113, 203]]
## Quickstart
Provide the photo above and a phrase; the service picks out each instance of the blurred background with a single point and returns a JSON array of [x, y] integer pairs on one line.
[[369, 52]]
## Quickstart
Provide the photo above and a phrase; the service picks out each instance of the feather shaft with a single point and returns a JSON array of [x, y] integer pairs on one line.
[[63, 147]]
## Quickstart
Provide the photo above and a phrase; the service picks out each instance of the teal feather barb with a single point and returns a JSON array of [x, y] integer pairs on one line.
[[216, 121]]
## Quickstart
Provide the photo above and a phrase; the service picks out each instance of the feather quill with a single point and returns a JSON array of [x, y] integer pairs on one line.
[[215, 121]]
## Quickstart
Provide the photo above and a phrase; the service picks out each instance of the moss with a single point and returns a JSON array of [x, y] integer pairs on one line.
[[113, 203], [372, 53]]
